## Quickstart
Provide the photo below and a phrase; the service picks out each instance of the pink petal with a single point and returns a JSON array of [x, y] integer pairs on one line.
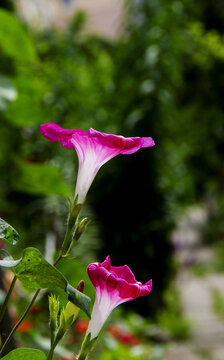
[[117, 279], [93, 149], [114, 285], [54, 132]]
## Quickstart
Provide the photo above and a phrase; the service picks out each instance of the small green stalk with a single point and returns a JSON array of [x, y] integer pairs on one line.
[[75, 210], [19, 322], [87, 346], [24, 315], [73, 216], [51, 352], [4, 306], [66, 240]]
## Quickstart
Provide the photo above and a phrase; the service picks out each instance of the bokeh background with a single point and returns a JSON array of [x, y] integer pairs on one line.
[[137, 68]]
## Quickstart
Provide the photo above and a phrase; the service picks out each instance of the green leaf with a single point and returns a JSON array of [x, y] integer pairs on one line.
[[25, 354], [36, 273], [41, 179], [7, 92], [8, 233], [14, 40]]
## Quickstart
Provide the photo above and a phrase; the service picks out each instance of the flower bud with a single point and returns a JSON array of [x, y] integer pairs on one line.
[[54, 309], [69, 314], [81, 227], [74, 212]]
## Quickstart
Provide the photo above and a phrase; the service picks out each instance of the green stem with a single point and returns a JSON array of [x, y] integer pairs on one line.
[[71, 223], [51, 352], [54, 344], [82, 356], [86, 347], [24, 315], [4, 306], [19, 322], [74, 213], [66, 240]]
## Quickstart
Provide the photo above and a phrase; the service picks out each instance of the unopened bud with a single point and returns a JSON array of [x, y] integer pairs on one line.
[[54, 309], [74, 212], [81, 227], [80, 286]]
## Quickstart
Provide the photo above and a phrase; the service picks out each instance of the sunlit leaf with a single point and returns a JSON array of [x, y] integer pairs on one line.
[[14, 40], [25, 354], [8, 233]]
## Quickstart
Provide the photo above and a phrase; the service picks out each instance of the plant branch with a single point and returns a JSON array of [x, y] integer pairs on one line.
[[19, 322], [4, 306]]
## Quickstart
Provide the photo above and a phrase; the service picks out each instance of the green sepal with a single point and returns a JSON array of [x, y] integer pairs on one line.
[[54, 310], [80, 228], [25, 354], [74, 212], [36, 273], [8, 233], [87, 346]]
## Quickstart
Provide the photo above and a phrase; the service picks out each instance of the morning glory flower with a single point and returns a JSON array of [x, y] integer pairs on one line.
[[94, 149], [114, 285]]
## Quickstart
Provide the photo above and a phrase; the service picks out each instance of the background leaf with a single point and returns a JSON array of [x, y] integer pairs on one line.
[[7, 92], [17, 43], [25, 354], [28, 108], [41, 179], [8, 233]]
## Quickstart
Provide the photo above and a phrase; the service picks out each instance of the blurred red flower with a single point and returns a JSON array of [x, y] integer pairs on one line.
[[123, 337], [25, 326], [36, 309], [81, 326]]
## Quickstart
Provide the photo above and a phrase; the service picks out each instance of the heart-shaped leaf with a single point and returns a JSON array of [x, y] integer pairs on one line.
[[25, 354], [36, 273], [8, 233]]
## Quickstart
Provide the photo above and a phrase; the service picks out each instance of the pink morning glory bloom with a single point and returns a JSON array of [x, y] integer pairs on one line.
[[94, 149], [114, 285]]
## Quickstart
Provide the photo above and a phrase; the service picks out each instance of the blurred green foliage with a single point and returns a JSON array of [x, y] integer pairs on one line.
[[179, 327], [163, 78], [218, 303]]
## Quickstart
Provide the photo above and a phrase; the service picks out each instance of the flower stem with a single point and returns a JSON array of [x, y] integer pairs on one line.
[[71, 222], [86, 347], [4, 306], [82, 356], [66, 241], [19, 322], [51, 352], [24, 314]]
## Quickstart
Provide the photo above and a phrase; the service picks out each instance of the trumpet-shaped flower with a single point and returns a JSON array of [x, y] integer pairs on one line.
[[94, 149], [114, 285]]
